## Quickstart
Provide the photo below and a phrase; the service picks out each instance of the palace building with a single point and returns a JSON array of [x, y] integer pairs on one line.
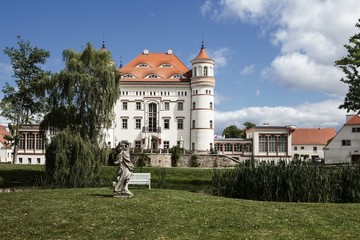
[[164, 103]]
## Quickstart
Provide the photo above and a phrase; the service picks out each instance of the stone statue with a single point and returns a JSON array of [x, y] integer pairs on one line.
[[125, 171]]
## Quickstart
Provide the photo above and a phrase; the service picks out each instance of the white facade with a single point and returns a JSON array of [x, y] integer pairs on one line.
[[163, 103], [345, 146]]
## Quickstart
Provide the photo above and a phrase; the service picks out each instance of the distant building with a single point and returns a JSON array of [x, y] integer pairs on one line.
[[262, 143], [310, 142], [164, 103], [345, 146], [31, 147], [5, 148]]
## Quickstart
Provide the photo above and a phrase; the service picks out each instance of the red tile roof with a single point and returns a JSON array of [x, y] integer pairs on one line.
[[202, 54], [154, 61], [312, 136], [354, 120], [3, 132]]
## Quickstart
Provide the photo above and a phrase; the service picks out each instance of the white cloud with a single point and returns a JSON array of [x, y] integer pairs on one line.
[[220, 56], [296, 70], [247, 70], [310, 34], [206, 7], [219, 99], [311, 115]]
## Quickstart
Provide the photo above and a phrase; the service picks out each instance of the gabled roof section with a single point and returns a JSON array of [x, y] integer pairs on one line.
[[354, 120], [155, 61], [312, 136], [3, 132]]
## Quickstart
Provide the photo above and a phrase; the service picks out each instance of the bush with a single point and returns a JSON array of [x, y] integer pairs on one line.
[[194, 161], [176, 152]]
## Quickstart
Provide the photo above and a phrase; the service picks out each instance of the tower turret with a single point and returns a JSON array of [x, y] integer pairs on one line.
[[202, 96]]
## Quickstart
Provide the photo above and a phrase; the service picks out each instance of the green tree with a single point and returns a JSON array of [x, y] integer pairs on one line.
[[232, 132], [82, 96], [24, 103], [350, 66], [249, 125]]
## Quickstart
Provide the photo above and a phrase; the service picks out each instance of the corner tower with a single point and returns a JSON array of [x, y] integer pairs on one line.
[[202, 105]]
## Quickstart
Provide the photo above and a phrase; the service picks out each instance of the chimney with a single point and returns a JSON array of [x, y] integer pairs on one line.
[[169, 51], [146, 52]]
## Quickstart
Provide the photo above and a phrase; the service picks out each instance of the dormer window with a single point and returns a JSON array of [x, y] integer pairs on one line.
[[152, 76], [128, 76], [177, 76], [166, 65], [143, 65]]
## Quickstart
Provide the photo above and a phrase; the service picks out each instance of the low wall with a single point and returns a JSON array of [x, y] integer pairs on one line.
[[206, 160]]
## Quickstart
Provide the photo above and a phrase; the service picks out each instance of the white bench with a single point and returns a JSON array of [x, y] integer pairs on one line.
[[140, 179]]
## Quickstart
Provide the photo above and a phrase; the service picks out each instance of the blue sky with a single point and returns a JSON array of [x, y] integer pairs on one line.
[[274, 58]]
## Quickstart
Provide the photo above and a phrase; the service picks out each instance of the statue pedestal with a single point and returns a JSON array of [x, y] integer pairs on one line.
[[123, 195]]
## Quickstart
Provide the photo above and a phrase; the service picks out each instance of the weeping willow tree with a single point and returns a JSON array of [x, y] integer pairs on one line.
[[81, 97]]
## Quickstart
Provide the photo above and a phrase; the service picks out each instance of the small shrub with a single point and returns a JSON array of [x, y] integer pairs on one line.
[[194, 161], [176, 152], [143, 160]]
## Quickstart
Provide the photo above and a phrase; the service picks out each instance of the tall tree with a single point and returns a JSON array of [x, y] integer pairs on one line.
[[81, 98], [24, 103], [232, 132], [350, 66]]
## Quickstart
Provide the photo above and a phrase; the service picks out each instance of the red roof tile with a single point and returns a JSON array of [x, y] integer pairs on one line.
[[155, 61], [202, 54], [312, 136], [354, 120], [3, 132]]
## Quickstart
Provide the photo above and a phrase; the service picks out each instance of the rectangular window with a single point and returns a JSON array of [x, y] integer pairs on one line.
[[283, 144], [137, 123], [237, 147], [315, 149], [29, 160], [124, 106], [22, 141], [263, 147], [194, 105], [193, 123], [30, 141], [218, 147], [40, 141], [38, 160], [272, 143], [166, 123], [211, 124], [180, 123], [355, 129], [228, 147], [180, 106], [138, 105], [20, 160], [124, 123], [166, 144], [211, 105], [346, 142], [295, 148], [166, 106], [137, 144]]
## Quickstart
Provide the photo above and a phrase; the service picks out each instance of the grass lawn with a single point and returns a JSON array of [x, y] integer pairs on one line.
[[93, 213]]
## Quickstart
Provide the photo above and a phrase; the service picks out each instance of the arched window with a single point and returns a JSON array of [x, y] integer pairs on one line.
[[200, 71], [194, 72], [205, 71]]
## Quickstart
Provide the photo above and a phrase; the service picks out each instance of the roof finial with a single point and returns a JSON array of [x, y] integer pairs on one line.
[[103, 43], [121, 62], [202, 41]]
